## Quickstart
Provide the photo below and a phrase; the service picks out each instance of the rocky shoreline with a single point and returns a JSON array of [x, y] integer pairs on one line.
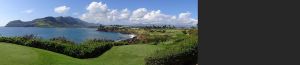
[[132, 36]]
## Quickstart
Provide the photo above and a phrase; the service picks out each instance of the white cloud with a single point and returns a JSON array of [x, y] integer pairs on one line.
[[138, 14], [125, 13], [185, 17], [29, 11], [61, 9], [98, 12], [75, 13], [97, 7]]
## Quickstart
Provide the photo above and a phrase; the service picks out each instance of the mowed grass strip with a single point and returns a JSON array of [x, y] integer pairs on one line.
[[126, 55], [11, 54]]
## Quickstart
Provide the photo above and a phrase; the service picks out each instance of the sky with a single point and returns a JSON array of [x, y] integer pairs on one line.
[[103, 11]]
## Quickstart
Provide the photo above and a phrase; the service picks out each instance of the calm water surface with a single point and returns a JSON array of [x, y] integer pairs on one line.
[[74, 34]]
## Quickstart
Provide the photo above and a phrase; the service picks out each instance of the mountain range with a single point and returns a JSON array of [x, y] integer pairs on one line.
[[51, 22]]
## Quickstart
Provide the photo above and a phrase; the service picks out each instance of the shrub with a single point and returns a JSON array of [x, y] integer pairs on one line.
[[163, 31], [184, 32], [183, 57], [30, 36], [20, 40], [182, 52], [6, 39], [88, 49], [156, 39], [61, 40], [99, 40]]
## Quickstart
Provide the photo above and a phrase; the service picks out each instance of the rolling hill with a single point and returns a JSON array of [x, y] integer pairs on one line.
[[51, 22]]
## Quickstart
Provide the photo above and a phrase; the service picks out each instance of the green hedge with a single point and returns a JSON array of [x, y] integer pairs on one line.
[[88, 49]]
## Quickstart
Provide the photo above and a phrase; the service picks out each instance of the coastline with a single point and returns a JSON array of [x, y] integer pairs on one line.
[[131, 37]]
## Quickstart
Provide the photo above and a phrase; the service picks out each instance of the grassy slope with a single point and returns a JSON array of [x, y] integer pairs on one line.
[[125, 55], [22, 55], [12, 54], [118, 55]]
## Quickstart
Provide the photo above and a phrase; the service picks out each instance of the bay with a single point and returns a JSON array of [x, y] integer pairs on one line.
[[76, 35]]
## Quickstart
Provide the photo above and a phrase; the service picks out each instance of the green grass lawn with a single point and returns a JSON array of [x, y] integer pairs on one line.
[[125, 55], [12, 54]]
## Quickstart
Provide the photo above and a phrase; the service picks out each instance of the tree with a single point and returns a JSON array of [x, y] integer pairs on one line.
[[184, 32], [193, 27]]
